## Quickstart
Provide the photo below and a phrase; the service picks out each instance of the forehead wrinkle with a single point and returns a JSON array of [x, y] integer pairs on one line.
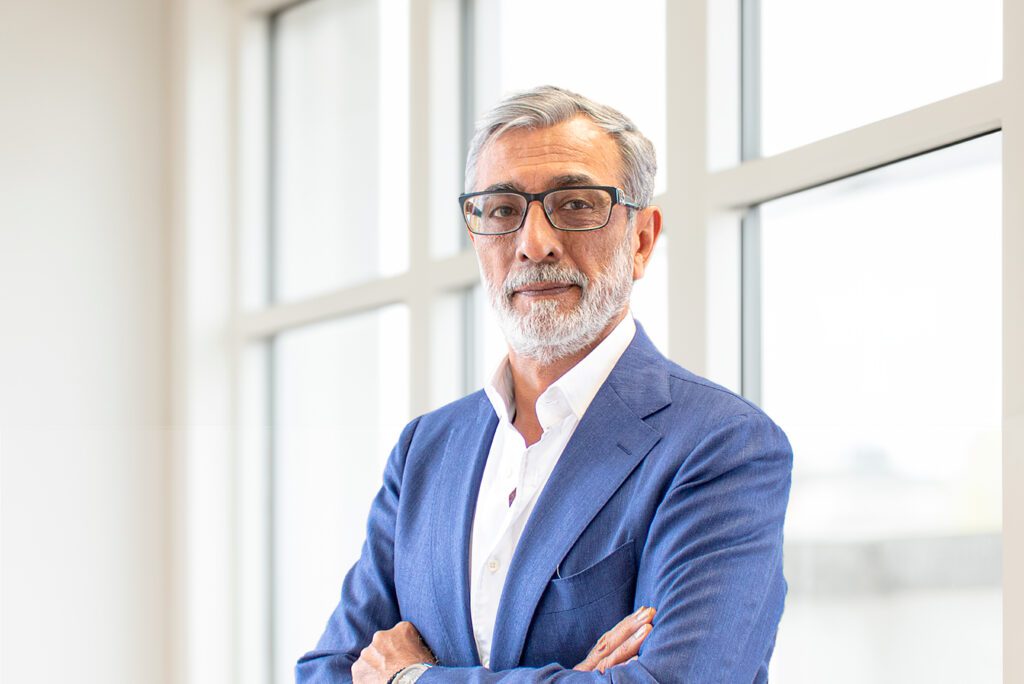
[[542, 152], [551, 169], [534, 157]]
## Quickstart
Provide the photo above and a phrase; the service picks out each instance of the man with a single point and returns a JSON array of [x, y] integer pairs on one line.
[[592, 478]]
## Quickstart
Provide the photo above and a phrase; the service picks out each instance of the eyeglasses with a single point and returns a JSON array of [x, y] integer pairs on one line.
[[579, 208]]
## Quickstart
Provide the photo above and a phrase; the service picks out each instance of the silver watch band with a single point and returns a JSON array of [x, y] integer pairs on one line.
[[408, 675]]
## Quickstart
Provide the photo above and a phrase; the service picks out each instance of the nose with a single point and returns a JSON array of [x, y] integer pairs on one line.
[[538, 240]]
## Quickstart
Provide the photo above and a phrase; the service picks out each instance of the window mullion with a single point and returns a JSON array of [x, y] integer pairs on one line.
[[419, 295], [684, 201], [750, 224], [933, 126], [1013, 341]]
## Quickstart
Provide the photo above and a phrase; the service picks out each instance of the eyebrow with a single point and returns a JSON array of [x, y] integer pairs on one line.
[[501, 187], [572, 179], [563, 181]]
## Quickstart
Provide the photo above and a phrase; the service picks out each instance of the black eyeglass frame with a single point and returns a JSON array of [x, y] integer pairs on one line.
[[617, 194]]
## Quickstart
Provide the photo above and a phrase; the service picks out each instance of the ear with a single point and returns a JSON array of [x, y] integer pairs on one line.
[[647, 228]]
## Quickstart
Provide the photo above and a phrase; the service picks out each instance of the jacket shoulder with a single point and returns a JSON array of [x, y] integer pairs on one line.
[[457, 410], [708, 403], [438, 423]]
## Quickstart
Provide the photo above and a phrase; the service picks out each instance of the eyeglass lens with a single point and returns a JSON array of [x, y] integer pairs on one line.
[[569, 209]]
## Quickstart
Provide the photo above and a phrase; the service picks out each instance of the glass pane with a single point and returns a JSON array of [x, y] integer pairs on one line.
[[649, 301], [450, 362], [340, 173], [252, 165], [340, 400], [521, 44], [881, 299], [449, 128], [489, 346], [252, 489], [827, 67]]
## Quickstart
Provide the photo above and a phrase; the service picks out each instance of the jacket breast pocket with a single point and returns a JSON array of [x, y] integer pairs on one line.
[[610, 578]]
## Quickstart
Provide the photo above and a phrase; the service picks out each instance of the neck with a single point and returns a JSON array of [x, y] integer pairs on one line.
[[530, 378]]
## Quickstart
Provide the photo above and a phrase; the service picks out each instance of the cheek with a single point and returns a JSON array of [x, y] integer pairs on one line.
[[496, 256], [493, 267], [594, 258]]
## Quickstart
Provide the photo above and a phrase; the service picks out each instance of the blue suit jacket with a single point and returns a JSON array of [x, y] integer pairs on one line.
[[671, 493]]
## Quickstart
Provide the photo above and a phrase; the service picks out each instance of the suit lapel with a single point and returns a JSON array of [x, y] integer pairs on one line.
[[608, 444], [452, 526]]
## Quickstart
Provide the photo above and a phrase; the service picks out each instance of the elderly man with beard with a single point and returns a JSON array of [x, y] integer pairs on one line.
[[596, 512]]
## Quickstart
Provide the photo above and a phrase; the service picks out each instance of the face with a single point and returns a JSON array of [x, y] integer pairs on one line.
[[556, 292]]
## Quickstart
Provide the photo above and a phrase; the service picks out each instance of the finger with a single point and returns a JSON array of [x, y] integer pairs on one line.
[[370, 656], [616, 636], [621, 633], [359, 670], [627, 650]]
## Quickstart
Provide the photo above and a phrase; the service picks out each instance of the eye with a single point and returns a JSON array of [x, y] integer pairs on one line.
[[503, 211], [577, 204]]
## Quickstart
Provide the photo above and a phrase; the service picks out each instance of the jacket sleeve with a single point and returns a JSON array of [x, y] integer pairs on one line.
[[712, 566], [368, 602]]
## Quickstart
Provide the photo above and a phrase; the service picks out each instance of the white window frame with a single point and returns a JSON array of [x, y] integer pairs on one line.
[[209, 329]]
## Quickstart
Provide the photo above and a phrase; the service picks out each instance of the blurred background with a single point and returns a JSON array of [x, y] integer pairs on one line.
[[232, 268]]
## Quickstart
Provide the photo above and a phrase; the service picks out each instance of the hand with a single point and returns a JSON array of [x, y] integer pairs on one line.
[[621, 643], [390, 651]]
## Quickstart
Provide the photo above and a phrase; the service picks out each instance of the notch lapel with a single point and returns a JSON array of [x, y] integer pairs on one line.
[[611, 440], [451, 529]]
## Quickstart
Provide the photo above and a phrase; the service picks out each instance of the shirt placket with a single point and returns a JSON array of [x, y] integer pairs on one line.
[[494, 569]]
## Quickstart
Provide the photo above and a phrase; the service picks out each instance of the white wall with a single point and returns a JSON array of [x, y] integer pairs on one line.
[[82, 336]]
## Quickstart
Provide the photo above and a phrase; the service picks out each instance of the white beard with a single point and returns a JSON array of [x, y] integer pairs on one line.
[[545, 333]]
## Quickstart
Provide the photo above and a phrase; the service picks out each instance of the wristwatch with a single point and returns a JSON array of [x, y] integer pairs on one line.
[[408, 675]]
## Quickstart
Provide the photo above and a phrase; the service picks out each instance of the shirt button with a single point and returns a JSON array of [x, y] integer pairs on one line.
[[492, 565]]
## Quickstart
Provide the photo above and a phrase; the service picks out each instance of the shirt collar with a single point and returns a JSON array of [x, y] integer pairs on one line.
[[500, 391], [575, 390]]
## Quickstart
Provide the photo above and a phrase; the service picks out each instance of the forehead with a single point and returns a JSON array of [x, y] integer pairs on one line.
[[530, 159]]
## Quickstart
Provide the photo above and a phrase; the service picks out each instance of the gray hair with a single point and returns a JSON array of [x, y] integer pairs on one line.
[[549, 105]]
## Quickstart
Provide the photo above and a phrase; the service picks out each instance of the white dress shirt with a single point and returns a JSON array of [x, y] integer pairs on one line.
[[512, 466]]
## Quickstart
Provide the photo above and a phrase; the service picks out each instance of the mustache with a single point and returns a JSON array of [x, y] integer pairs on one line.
[[543, 273]]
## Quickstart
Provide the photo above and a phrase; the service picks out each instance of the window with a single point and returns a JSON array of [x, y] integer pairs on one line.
[[833, 220], [324, 376], [881, 357], [340, 399], [856, 294], [830, 67], [340, 166]]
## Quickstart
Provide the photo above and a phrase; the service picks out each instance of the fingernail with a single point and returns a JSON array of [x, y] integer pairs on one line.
[[639, 612], [640, 632], [643, 614]]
